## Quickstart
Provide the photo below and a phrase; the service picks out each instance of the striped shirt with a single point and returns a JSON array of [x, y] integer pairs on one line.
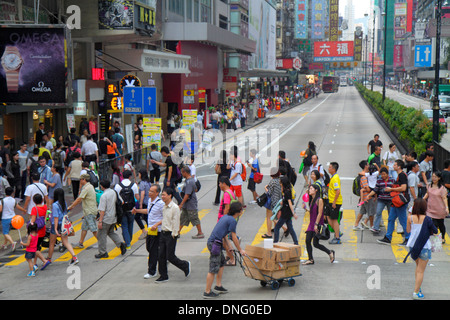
[[380, 186]]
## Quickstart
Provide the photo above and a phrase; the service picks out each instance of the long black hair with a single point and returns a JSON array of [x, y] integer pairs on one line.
[[440, 182], [58, 196], [317, 197]]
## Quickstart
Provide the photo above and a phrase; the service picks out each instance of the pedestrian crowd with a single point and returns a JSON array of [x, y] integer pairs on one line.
[[161, 211]]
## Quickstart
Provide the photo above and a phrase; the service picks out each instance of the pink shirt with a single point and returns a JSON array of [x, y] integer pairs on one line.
[[226, 199], [33, 244], [436, 206]]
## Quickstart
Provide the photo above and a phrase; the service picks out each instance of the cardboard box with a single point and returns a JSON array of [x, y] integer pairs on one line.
[[264, 264], [292, 268], [274, 254], [295, 251], [264, 275]]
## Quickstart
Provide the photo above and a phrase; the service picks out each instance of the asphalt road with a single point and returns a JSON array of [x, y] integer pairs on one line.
[[341, 126]]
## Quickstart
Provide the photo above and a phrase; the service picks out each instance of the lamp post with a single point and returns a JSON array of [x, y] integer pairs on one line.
[[437, 67], [384, 49], [373, 50]]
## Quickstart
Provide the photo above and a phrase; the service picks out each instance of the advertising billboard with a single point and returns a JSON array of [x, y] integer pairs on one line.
[[318, 19], [334, 20], [400, 20], [116, 14], [332, 51], [262, 29], [33, 65], [301, 19]]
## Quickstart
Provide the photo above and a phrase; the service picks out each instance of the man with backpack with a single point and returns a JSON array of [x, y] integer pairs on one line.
[[58, 159], [33, 164], [189, 204], [129, 192]]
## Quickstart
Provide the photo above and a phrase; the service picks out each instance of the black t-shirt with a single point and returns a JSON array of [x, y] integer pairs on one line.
[[446, 178], [169, 164], [286, 212], [374, 144], [401, 180]]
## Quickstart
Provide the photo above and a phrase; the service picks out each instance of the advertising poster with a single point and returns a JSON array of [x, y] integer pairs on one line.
[[400, 20], [189, 118], [333, 51], [33, 65], [116, 14], [262, 29], [152, 132]]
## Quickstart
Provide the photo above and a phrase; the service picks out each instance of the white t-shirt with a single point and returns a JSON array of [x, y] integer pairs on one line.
[[89, 148], [236, 168], [126, 183], [193, 171], [33, 189], [8, 205]]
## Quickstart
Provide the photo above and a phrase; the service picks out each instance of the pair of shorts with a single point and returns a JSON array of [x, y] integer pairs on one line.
[[425, 254], [30, 255], [89, 223], [52, 230], [251, 185], [215, 261], [334, 213], [6, 225], [369, 207], [189, 216], [237, 190]]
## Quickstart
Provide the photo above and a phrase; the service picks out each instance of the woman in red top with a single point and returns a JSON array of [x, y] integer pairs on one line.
[[41, 210]]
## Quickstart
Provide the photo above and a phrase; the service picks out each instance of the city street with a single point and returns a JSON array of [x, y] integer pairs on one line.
[[341, 126]]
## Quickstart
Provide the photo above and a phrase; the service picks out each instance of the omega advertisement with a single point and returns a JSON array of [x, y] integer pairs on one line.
[[33, 65]]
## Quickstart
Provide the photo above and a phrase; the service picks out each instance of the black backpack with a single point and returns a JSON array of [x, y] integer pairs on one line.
[[127, 196], [119, 209], [93, 178], [57, 159], [356, 187], [34, 167]]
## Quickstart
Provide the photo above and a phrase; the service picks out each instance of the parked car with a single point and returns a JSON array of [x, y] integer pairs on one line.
[[444, 102], [429, 114]]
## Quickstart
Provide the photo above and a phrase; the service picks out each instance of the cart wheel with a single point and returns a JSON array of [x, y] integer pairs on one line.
[[263, 284], [291, 282], [275, 285]]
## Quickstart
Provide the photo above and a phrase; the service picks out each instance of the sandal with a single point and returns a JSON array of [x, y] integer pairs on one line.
[[334, 256], [266, 236], [230, 264], [307, 263]]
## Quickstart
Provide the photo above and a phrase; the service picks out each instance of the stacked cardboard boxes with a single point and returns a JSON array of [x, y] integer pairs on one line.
[[281, 261]]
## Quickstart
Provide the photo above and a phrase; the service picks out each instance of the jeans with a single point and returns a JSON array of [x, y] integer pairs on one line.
[[381, 204], [290, 227], [127, 227], [395, 213], [167, 246]]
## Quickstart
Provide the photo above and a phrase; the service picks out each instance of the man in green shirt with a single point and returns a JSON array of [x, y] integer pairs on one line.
[[375, 158], [88, 200]]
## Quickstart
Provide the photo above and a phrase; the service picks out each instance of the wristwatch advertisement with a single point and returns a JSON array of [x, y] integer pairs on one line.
[[33, 65]]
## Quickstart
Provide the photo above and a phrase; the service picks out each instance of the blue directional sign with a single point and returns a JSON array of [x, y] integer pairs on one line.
[[139, 100], [423, 56]]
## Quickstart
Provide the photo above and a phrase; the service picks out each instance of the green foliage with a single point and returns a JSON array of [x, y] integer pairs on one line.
[[410, 124]]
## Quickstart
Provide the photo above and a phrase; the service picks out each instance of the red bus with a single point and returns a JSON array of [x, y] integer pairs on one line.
[[330, 84]]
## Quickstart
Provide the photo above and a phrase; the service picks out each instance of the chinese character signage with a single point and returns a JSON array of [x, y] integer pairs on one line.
[[301, 24], [318, 17], [334, 20], [358, 44], [152, 132], [398, 56], [331, 51]]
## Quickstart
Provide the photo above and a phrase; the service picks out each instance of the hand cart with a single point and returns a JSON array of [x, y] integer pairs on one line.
[[268, 280]]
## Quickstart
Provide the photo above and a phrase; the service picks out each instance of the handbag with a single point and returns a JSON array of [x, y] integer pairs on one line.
[[276, 209], [261, 201], [268, 204], [67, 227], [436, 242], [258, 177], [324, 232], [40, 221], [398, 198], [216, 247]]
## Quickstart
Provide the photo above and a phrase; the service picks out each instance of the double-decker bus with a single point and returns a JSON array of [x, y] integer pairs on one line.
[[330, 84]]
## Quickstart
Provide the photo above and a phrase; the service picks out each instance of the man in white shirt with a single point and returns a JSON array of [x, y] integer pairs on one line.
[[89, 150], [169, 234], [154, 222], [32, 189], [315, 166]]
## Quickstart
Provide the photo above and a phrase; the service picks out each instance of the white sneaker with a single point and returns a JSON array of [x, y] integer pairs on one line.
[[252, 202], [358, 228], [149, 276]]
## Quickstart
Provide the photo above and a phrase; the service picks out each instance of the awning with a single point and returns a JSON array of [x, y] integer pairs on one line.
[[146, 60]]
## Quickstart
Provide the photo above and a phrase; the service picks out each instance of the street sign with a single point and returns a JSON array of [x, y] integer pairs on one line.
[[139, 100], [423, 56], [189, 97]]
